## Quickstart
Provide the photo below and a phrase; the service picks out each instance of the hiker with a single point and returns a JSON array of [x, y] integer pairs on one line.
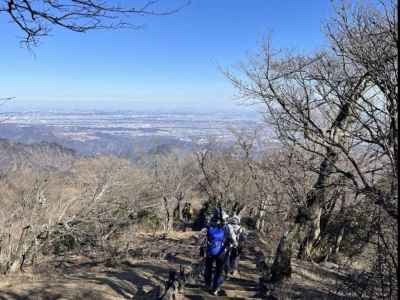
[[187, 212], [237, 236], [214, 250]]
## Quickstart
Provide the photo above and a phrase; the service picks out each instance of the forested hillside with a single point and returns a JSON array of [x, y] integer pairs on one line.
[[15, 156]]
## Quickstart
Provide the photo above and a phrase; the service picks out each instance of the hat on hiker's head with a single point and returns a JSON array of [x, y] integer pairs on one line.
[[215, 213], [219, 216], [285, 234], [224, 216], [235, 220], [215, 220]]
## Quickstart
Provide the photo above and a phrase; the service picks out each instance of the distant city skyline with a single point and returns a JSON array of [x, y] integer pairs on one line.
[[172, 64]]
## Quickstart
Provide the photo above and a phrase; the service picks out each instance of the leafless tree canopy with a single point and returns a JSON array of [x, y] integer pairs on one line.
[[36, 18], [339, 105]]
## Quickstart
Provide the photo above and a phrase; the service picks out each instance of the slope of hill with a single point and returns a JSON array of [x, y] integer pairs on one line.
[[15, 155]]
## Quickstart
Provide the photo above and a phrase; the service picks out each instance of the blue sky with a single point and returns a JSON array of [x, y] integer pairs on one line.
[[172, 63]]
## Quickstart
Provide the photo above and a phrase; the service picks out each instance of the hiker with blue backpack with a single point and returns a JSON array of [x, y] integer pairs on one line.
[[215, 251]]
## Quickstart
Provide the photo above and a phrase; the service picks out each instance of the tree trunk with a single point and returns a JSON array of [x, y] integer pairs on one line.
[[18, 257], [316, 197], [312, 224], [260, 222], [169, 215], [179, 207], [310, 216], [338, 242], [282, 267]]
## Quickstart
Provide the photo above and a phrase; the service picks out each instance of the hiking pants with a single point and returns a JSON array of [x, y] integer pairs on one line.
[[233, 259], [218, 277]]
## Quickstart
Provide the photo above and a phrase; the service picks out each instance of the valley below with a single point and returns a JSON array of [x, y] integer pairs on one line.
[[126, 134]]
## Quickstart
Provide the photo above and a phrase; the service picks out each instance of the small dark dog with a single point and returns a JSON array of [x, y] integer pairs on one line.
[[175, 284]]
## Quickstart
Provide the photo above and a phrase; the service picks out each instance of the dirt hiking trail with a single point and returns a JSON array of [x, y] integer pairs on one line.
[[143, 270]]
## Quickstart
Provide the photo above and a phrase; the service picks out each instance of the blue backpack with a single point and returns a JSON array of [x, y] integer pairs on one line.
[[216, 240]]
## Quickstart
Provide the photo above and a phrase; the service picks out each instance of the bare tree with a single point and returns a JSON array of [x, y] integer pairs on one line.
[[280, 177], [81, 209], [225, 180], [173, 180], [37, 18], [338, 105]]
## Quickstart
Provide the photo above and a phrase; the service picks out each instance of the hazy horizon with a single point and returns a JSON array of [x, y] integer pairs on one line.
[[21, 106]]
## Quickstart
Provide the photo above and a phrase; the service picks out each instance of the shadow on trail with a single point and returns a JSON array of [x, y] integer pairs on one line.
[[128, 282], [300, 292], [47, 293]]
